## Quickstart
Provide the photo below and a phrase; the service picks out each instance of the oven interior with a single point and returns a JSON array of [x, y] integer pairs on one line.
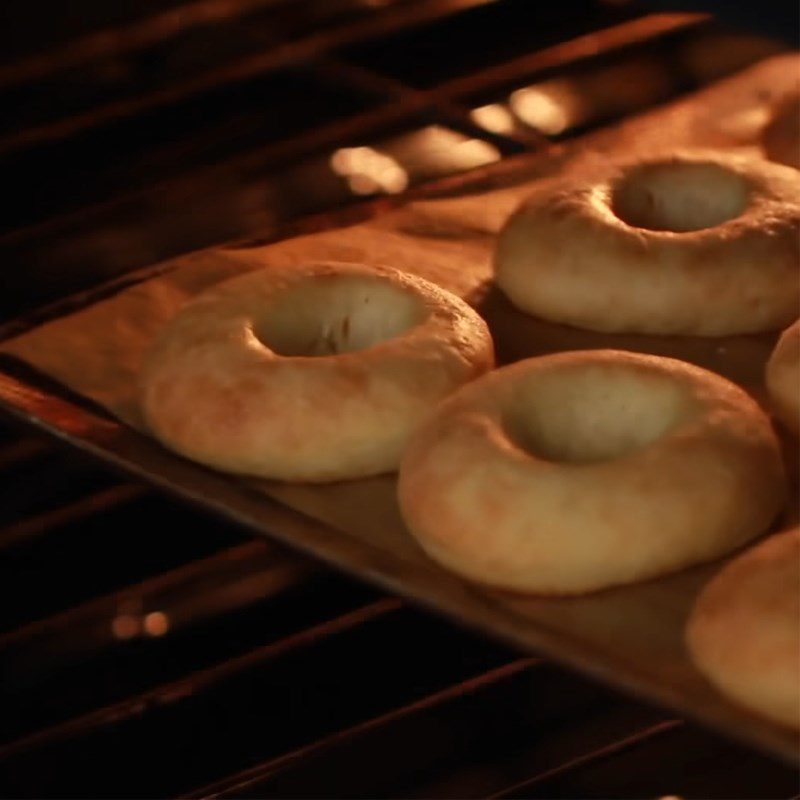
[[151, 650]]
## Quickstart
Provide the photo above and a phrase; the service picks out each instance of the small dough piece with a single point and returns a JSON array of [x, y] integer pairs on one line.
[[781, 137], [312, 372], [783, 378], [696, 243], [744, 631], [578, 471]]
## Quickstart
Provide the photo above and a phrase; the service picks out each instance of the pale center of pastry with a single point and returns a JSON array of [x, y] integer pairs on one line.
[[679, 197], [594, 414], [328, 315]]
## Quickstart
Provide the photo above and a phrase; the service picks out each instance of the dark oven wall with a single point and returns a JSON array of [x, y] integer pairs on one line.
[[148, 650]]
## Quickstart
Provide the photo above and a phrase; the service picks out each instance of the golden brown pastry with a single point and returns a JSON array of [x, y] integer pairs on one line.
[[699, 243], [578, 471], [744, 632], [314, 372], [783, 378]]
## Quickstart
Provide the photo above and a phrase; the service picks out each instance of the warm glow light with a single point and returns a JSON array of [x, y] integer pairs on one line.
[[156, 623], [369, 171], [494, 117], [549, 107], [125, 626], [434, 150], [476, 153]]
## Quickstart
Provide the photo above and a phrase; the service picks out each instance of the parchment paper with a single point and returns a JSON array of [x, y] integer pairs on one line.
[[636, 630]]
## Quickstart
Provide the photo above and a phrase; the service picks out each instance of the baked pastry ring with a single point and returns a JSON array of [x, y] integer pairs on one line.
[[315, 372], [700, 243], [744, 631], [781, 136], [582, 470], [783, 378]]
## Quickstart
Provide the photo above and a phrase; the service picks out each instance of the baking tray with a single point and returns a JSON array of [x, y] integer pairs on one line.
[[630, 637]]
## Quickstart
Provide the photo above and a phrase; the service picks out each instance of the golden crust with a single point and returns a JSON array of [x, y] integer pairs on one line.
[[567, 257], [579, 471], [744, 631], [783, 378], [213, 391], [781, 136]]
